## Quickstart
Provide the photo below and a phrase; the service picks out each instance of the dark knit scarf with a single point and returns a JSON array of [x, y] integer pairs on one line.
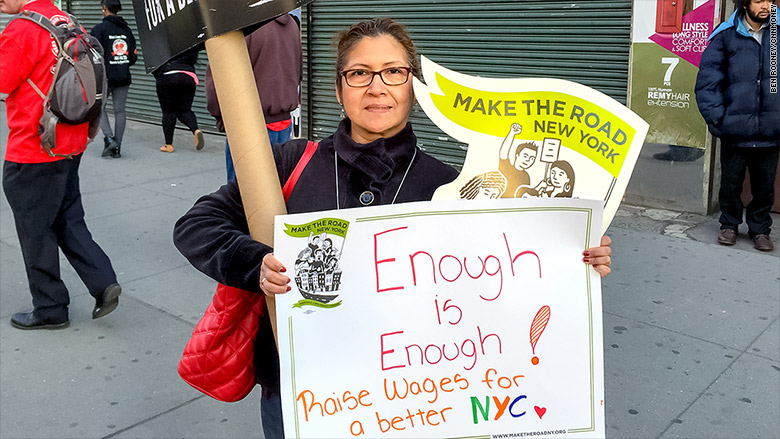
[[379, 160]]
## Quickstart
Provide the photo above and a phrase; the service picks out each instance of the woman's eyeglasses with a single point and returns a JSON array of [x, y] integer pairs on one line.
[[364, 78]]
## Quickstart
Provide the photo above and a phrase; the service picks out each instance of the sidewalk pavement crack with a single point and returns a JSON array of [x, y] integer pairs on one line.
[[653, 325], [160, 310], [137, 300], [172, 409], [698, 397]]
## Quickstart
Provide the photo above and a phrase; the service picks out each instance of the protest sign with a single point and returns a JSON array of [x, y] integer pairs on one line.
[[442, 319], [169, 27], [533, 137]]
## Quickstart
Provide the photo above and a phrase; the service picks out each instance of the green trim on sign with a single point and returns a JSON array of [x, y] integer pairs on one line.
[[590, 342], [292, 374], [308, 302], [471, 437], [475, 212]]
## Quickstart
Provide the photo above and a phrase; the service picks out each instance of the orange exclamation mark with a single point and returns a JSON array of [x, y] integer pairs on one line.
[[537, 327]]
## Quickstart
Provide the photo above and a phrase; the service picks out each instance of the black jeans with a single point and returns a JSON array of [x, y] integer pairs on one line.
[[46, 203], [271, 416], [762, 164], [176, 93]]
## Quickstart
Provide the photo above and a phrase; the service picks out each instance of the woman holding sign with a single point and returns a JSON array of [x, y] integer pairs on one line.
[[371, 159]]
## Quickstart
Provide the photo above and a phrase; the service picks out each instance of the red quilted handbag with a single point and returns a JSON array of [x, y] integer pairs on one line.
[[219, 357]]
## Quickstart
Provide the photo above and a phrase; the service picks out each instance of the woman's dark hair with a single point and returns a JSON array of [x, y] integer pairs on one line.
[[563, 164], [113, 6], [346, 40]]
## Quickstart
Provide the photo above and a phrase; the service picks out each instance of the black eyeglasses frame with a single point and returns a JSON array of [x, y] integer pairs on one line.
[[375, 73]]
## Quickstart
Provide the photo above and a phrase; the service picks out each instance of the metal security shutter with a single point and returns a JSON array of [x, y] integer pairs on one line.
[[582, 41], [142, 102]]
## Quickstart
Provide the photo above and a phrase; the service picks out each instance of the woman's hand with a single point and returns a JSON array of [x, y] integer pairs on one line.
[[600, 257], [272, 277]]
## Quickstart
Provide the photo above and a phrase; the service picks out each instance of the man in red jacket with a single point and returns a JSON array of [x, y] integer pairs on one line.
[[43, 191]]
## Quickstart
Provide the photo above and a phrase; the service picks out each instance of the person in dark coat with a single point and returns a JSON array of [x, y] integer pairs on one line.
[[119, 53], [371, 159], [276, 57], [736, 91]]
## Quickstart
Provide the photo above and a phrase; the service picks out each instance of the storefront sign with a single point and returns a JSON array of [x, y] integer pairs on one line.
[[663, 78]]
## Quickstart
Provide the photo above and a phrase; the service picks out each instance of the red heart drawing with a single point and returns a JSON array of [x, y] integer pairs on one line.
[[540, 411]]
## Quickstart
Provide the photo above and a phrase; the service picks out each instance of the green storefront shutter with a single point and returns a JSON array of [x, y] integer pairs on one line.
[[583, 41], [586, 42], [142, 102]]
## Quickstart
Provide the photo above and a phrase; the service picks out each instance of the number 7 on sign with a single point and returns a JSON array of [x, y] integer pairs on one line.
[[672, 64]]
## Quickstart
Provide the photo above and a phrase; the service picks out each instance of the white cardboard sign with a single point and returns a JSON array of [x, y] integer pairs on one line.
[[442, 319]]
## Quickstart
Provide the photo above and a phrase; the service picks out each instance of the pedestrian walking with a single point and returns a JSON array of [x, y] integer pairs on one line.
[[176, 82], [42, 189], [119, 53]]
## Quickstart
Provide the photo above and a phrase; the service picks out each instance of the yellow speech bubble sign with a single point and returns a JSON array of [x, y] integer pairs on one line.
[[577, 123], [533, 137]]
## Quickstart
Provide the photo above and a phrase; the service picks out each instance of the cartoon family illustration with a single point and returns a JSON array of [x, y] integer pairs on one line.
[[512, 180], [317, 268]]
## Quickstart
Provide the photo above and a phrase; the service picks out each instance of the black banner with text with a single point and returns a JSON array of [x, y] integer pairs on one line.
[[170, 27]]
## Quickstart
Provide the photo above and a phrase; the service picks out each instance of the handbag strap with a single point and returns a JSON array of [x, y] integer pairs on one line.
[[296, 173]]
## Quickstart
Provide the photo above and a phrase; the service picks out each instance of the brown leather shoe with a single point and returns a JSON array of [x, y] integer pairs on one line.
[[763, 243], [727, 237]]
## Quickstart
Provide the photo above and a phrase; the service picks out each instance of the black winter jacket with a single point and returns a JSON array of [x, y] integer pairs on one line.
[[185, 62], [734, 86], [214, 236], [119, 50]]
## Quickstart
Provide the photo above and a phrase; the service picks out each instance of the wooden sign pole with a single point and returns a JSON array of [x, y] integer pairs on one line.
[[242, 114]]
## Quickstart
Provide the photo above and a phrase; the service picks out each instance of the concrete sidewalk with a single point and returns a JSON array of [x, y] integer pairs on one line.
[[692, 329]]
